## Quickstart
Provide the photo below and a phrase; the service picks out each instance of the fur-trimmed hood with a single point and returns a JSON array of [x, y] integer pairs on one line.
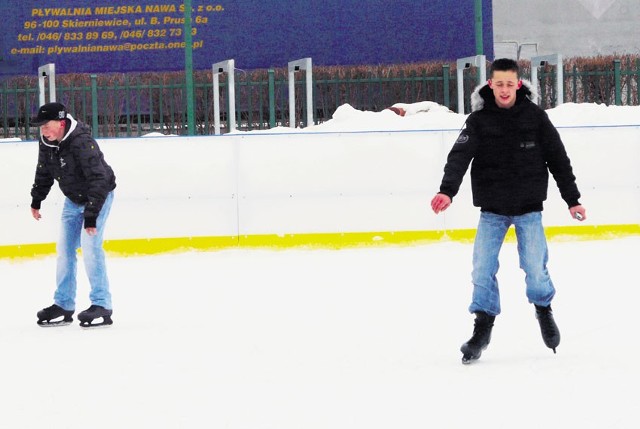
[[483, 93]]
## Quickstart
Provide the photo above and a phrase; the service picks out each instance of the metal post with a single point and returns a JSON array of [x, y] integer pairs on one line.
[[188, 68], [478, 61], [618, 83], [94, 105], [294, 66], [272, 98], [47, 70], [309, 79], [478, 27], [445, 84], [228, 67], [554, 59]]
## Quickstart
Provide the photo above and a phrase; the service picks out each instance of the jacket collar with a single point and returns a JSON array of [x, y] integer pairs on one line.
[[72, 126], [482, 94]]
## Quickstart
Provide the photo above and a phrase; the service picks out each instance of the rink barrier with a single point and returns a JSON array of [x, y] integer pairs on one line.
[[304, 190], [154, 246]]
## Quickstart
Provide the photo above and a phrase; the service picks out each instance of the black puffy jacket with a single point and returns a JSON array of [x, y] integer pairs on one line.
[[513, 150], [77, 163]]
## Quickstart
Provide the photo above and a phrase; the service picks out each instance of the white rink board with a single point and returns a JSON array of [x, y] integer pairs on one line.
[[305, 183]]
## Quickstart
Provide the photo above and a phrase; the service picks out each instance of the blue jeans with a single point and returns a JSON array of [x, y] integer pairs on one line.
[[73, 236], [533, 253]]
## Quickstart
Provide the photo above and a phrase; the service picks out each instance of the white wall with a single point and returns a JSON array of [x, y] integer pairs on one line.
[[249, 184], [573, 28]]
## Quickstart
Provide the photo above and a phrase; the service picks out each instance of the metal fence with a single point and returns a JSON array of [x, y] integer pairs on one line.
[[134, 105]]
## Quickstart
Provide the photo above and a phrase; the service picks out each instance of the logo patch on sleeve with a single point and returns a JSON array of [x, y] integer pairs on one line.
[[462, 138]]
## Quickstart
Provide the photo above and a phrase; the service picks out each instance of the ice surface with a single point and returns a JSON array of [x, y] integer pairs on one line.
[[358, 338]]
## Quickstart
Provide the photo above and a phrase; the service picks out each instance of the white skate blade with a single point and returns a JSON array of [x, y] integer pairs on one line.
[[54, 324], [105, 323]]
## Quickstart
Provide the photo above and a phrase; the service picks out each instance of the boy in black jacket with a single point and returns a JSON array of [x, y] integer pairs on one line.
[[69, 154], [514, 146]]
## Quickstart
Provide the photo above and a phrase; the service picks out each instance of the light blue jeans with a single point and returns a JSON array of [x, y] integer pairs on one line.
[[72, 237], [533, 253]]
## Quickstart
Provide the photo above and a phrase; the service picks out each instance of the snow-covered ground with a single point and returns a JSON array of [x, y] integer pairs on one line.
[[428, 115], [303, 339]]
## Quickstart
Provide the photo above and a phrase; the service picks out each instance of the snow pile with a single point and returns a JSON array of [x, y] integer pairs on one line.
[[593, 114], [428, 115]]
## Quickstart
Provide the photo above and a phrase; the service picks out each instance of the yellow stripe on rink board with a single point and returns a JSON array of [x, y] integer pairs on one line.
[[360, 239], [153, 246], [339, 240], [27, 250], [594, 232], [129, 247], [586, 232]]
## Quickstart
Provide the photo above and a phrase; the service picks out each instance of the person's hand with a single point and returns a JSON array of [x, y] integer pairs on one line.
[[36, 214], [440, 203], [91, 231], [578, 212]]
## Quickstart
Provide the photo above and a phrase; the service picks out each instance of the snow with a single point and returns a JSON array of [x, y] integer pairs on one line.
[[428, 115], [353, 338]]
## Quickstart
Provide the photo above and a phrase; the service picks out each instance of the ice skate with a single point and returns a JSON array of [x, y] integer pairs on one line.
[[88, 317], [548, 327], [54, 316], [472, 349]]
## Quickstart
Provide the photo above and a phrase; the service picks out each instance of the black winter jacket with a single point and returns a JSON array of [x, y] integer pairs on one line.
[[77, 163], [513, 150]]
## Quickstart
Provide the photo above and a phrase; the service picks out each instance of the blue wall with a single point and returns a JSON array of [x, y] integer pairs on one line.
[[147, 36]]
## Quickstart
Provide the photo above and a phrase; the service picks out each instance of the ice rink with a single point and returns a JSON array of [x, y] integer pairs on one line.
[[303, 339], [358, 338]]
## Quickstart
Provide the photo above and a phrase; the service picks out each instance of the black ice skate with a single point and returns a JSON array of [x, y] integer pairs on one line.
[[472, 349], [92, 313], [548, 327], [54, 316]]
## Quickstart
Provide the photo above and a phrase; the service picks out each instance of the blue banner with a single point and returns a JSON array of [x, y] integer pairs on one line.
[[142, 35]]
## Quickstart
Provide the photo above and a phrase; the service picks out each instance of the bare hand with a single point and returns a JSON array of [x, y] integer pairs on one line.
[[91, 231], [36, 214], [578, 212], [440, 203]]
